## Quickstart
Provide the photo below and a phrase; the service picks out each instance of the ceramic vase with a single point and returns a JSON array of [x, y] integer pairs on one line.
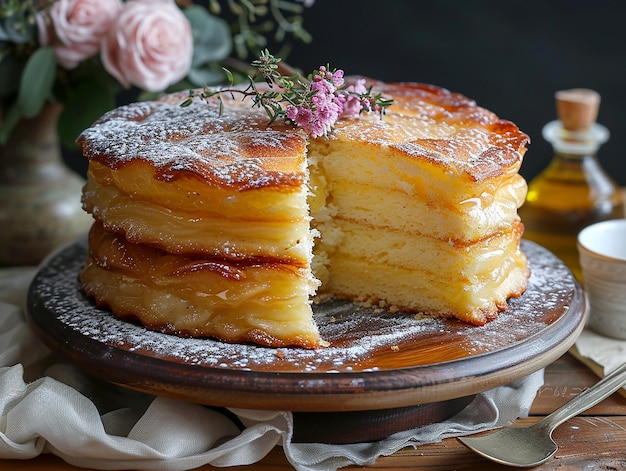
[[40, 207]]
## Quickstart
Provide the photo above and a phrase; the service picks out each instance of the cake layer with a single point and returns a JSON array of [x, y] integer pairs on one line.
[[427, 291], [467, 220], [432, 187], [451, 259], [266, 303], [191, 194], [414, 273], [465, 149], [235, 150], [147, 211], [446, 130]]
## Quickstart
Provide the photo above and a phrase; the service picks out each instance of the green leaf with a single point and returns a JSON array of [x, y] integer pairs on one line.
[[36, 83], [229, 76], [204, 76], [296, 8], [7, 123], [88, 102], [211, 36]]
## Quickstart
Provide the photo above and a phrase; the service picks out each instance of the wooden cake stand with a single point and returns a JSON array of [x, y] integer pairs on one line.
[[382, 373]]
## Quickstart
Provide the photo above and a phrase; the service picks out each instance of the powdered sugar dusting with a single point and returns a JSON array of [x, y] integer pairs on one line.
[[446, 128], [227, 149], [425, 122], [362, 339]]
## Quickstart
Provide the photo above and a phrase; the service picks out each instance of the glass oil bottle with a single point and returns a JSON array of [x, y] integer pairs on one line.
[[573, 191]]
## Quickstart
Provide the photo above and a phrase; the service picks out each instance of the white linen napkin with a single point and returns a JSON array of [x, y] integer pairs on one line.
[[47, 406], [600, 353]]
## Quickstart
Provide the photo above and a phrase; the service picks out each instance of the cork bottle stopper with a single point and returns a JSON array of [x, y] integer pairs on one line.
[[577, 108]]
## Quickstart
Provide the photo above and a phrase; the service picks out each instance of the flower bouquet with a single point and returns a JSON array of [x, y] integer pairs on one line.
[[84, 53]]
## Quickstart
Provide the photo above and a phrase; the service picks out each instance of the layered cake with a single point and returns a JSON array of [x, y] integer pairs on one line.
[[211, 222]]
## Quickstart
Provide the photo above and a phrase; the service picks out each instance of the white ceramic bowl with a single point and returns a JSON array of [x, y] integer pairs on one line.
[[602, 250]]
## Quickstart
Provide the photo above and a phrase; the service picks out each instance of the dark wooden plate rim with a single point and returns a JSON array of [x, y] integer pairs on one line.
[[304, 391]]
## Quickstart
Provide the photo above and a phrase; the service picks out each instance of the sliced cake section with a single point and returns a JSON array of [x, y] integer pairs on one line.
[[209, 221], [420, 208]]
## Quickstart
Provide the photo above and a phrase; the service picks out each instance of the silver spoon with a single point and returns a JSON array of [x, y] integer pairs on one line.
[[531, 446]]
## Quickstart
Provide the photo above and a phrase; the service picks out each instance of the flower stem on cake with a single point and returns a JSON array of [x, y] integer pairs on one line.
[[314, 103]]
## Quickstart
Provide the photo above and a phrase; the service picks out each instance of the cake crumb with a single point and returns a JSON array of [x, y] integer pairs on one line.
[[395, 348]]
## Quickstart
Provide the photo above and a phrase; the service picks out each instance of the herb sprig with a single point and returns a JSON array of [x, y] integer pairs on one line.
[[313, 103]]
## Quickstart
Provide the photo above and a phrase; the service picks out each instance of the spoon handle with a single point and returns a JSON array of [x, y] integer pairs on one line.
[[586, 399]]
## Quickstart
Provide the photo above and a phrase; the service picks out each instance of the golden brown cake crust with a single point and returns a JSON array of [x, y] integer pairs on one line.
[[239, 149], [445, 128]]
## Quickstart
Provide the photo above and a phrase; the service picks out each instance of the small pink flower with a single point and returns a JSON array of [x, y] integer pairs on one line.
[[328, 114], [300, 116], [337, 78], [324, 101], [353, 104], [75, 28], [316, 129], [149, 46], [322, 87]]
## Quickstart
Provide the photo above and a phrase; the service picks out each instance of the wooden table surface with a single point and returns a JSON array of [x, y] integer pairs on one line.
[[593, 440]]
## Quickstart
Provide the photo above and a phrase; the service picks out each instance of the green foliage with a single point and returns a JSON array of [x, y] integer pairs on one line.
[[256, 20], [36, 82], [29, 75], [211, 43], [83, 107], [17, 21], [211, 36], [35, 87]]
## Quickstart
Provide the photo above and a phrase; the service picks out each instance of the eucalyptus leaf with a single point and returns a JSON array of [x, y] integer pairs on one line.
[[204, 76], [211, 36], [37, 81], [88, 102]]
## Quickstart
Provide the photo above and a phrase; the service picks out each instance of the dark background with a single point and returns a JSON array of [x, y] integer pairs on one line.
[[509, 56]]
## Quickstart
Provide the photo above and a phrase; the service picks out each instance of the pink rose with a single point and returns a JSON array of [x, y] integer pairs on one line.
[[75, 28], [150, 45]]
